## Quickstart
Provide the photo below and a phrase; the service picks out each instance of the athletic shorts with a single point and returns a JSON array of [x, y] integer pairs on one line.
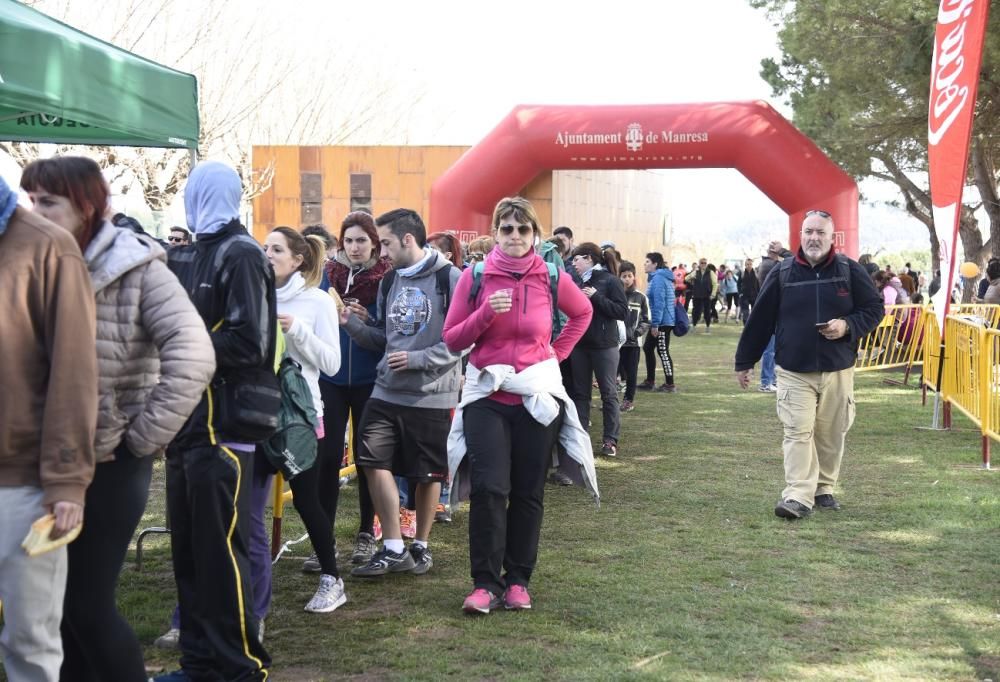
[[408, 441]]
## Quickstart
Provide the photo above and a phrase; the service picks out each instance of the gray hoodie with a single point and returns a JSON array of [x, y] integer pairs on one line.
[[413, 322]]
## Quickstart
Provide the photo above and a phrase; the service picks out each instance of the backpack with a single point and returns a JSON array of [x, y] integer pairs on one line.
[[681, 322], [843, 270], [557, 317], [292, 448], [442, 286]]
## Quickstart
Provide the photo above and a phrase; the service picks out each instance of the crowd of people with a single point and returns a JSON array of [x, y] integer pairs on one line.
[[465, 371]]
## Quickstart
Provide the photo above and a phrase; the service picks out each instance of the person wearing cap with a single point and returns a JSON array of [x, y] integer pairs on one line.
[[819, 305]]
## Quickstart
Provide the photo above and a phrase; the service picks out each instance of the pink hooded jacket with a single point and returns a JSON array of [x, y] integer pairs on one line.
[[521, 336]]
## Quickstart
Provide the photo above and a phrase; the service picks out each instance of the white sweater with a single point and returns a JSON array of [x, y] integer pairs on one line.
[[313, 340]]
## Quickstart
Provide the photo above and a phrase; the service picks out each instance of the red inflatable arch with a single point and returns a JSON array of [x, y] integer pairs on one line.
[[751, 137]]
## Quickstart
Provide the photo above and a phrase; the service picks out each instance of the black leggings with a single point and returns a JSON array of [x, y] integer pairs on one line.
[[649, 351], [663, 350], [98, 643], [338, 403], [732, 300], [319, 525]]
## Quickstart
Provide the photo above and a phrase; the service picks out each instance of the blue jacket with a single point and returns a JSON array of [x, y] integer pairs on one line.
[[790, 312], [661, 298]]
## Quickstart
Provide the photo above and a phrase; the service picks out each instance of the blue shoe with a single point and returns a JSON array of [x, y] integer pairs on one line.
[[175, 676]]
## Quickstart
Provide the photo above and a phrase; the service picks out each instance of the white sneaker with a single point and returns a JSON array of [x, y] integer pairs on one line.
[[329, 595], [171, 639]]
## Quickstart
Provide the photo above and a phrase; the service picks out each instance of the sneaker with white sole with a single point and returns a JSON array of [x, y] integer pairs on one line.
[[311, 565], [329, 595], [171, 639], [422, 559], [481, 600], [364, 549], [384, 562]]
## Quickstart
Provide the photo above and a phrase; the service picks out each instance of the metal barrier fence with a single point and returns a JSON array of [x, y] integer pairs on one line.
[[898, 341], [971, 379]]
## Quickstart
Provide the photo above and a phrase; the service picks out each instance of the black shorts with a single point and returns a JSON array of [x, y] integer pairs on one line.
[[408, 441]]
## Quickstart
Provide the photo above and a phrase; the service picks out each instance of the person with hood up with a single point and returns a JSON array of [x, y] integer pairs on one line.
[[154, 360], [210, 464], [48, 412]]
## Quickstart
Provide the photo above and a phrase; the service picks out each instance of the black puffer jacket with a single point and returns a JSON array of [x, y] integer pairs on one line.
[[610, 305]]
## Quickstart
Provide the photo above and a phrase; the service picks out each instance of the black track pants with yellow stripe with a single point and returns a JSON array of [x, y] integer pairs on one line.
[[208, 499]]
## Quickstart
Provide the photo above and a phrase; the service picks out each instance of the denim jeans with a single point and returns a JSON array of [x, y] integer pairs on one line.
[[767, 377]]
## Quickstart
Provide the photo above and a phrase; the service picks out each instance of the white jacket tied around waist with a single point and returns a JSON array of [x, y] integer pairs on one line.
[[541, 389]]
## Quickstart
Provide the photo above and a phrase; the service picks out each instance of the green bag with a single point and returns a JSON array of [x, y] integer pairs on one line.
[[292, 448]]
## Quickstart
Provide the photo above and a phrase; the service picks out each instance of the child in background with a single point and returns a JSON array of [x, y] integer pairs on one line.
[[636, 325]]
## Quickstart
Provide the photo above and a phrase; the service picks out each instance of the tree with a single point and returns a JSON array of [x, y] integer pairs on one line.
[[857, 76], [268, 73]]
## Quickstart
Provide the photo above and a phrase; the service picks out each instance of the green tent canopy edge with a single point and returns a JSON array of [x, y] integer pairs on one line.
[[60, 85]]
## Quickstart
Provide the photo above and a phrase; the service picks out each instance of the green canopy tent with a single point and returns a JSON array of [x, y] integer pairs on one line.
[[58, 84]]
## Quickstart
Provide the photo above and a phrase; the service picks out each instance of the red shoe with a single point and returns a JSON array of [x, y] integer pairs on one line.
[[516, 598], [481, 601], [377, 529]]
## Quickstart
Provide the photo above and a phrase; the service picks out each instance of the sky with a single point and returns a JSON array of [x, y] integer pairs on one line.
[[467, 64]]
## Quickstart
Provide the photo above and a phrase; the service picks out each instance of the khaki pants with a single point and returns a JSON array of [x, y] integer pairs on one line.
[[816, 410]]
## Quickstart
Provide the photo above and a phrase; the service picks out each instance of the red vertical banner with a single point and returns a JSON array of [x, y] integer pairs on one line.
[[958, 49]]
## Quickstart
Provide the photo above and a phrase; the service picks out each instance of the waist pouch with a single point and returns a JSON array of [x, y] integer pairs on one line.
[[246, 404]]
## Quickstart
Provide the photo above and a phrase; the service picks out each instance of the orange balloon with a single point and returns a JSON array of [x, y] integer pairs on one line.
[[969, 270]]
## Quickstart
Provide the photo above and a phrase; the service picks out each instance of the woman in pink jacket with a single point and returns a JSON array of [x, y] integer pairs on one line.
[[509, 319]]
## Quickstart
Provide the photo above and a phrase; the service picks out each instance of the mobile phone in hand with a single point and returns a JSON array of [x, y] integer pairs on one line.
[[822, 325]]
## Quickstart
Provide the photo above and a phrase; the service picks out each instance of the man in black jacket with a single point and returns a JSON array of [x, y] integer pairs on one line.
[[749, 287], [700, 289], [210, 462], [818, 305]]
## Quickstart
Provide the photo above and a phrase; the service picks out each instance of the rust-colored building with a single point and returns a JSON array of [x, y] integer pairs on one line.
[[322, 184]]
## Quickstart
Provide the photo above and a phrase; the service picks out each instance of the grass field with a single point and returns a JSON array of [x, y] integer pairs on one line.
[[684, 572]]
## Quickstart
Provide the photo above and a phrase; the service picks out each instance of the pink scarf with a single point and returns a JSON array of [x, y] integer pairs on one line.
[[500, 261]]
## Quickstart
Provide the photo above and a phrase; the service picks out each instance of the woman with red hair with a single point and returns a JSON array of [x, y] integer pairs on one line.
[[449, 245]]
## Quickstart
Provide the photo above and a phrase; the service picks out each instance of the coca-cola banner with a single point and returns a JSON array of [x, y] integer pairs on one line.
[[958, 47]]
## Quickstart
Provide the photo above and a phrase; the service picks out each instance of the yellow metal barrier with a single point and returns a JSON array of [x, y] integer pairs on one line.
[[897, 341], [990, 313], [971, 379]]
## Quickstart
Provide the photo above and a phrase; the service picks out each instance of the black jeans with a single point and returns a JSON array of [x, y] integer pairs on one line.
[[702, 306], [208, 503], [339, 402], [509, 453], [599, 363], [628, 367], [98, 643]]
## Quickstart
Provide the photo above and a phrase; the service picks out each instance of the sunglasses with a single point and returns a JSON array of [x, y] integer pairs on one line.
[[476, 256], [175, 240], [523, 230], [816, 211]]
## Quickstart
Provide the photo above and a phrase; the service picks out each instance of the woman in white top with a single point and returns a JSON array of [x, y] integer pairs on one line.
[[308, 317]]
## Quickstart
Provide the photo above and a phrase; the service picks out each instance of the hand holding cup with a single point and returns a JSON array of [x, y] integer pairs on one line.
[[502, 300]]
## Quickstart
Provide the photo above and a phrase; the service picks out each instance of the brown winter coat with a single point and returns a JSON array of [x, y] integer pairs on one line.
[[48, 377], [154, 354]]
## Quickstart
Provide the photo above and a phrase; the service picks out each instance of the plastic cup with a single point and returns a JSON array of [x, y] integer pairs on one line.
[[350, 301]]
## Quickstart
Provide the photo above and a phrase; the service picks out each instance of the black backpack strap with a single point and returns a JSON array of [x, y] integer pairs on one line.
[[444, 287], [383, 293], [554, 289]]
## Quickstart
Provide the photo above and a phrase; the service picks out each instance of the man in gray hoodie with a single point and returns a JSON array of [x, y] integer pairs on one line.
[[404, 428]]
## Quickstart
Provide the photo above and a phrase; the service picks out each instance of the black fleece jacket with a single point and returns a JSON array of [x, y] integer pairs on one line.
[[610, 305], [811, 295]]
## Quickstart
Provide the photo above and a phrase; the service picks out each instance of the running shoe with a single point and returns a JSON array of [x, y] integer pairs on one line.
[[516, 598], [407, 523], [329, 595], [384, 562], [481, 601], [422, 559]]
